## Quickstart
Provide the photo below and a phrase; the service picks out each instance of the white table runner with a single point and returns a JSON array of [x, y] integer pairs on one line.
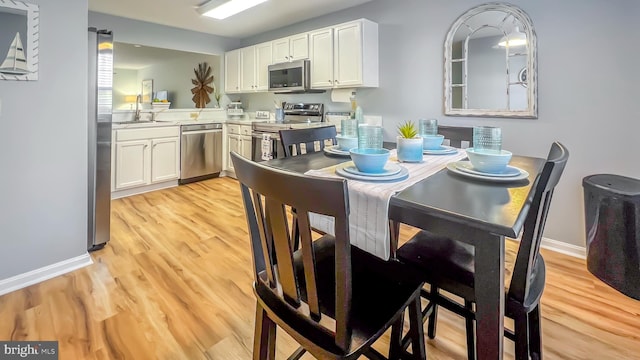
[[369, 202]]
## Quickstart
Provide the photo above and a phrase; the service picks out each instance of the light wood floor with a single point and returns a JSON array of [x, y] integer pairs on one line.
[[175, 283]]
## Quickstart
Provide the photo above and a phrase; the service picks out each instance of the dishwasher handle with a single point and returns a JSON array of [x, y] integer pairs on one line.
[[201, 132], [191, 128]]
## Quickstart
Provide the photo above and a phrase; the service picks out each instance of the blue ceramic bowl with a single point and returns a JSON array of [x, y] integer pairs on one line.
[[347, 142], [432, 142], [369, 160], [487, 161]]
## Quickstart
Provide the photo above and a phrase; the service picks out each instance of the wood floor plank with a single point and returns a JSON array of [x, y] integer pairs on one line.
[[175, 282]]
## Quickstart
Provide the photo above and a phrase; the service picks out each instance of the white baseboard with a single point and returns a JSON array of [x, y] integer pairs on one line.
[[143, 189], [564, 248], [45, 273]]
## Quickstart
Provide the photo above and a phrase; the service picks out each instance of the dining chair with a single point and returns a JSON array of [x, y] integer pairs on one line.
[[334, 299], [294, 138], [448, 265], [457, 136]]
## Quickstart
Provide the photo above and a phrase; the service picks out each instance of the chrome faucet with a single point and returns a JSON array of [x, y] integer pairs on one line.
[[138, 103]]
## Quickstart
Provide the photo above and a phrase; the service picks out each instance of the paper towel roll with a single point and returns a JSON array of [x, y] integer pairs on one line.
[[341, 95]]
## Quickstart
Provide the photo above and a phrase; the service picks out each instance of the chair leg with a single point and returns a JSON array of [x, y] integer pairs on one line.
[[521, 330], [395, 343], [535, 329], [433, 317], [471, 335], [416, 330], [264, 338]]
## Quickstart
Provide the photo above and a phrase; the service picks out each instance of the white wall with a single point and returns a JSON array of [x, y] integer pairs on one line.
[[587, 84], [43, 148]]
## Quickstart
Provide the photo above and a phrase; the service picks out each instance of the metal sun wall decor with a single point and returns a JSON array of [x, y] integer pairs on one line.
[[19, 38], [202, 89]]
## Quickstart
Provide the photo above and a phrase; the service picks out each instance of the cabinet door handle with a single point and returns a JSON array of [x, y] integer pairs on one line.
[[330, 82], [337, 82]]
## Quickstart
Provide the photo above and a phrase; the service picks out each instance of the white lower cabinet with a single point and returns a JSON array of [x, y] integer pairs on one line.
[[146, 156], [165, 159], [132, 163], [239, 140]]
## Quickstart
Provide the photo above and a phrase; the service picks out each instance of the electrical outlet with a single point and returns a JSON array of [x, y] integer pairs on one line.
[[193, 115]]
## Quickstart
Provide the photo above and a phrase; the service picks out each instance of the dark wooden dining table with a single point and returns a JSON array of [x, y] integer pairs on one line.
[[473, 211]]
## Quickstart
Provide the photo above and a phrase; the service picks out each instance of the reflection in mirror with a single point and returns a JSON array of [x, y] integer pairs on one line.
[[171, 71], [489, 55]]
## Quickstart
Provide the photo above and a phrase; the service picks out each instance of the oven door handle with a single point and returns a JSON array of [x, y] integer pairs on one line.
[[271, 136]]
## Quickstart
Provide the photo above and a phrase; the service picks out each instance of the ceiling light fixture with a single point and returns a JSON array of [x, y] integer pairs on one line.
[[515, 38], [222, 9]]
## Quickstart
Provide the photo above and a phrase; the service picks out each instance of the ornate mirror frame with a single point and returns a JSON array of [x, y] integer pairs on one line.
[[19, 37], [529, 71]]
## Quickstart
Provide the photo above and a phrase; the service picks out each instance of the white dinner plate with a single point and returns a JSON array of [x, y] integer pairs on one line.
[[442, 150], [452, 166], [509, 171], [335, 150], [401, 175], [388, 170]]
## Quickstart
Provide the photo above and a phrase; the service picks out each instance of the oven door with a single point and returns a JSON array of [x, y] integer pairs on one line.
[[256, 146]]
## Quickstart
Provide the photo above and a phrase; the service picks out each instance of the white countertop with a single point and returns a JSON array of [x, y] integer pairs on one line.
[[123, 119], [157, 123]]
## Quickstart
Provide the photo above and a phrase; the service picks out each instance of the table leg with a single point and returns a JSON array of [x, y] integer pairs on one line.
[[394, 234], [489, 285]]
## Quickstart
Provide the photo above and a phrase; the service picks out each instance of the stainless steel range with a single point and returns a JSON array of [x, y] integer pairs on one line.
[[296, 116]]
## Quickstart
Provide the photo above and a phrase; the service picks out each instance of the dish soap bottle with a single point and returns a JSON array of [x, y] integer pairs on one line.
[[353, 105]]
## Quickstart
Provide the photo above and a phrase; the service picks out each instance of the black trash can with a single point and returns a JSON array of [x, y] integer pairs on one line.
[[612, 221]]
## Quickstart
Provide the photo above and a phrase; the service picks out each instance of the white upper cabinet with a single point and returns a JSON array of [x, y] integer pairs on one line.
[[263, 60], [321, 55], [295, 47], [345, 55], [248, 69], [254, 72], [232, 71]]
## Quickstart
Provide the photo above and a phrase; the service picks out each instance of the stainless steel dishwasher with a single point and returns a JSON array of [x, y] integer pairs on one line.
[[200, 152]]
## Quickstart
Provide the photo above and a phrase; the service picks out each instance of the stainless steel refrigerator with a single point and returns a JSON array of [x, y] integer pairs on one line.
[[99, 127]]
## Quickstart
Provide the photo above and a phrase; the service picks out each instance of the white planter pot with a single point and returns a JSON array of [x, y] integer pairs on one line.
[[409, 150]]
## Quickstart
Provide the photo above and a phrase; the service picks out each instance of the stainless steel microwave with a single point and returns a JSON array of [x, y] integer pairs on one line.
[[289, 77]]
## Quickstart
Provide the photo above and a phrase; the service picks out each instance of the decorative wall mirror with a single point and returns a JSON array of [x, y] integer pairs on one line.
[[490, 63], [19, 22]]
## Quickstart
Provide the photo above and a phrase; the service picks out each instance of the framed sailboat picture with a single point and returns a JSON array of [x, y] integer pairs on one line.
[[19, 22]]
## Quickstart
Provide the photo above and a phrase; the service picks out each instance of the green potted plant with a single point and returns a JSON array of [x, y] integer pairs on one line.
[[409, 144]]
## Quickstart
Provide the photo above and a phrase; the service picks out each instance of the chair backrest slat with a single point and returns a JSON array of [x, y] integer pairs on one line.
[[308, 260], [457, 135], [283, 250], [529, 250], [293, 138], [291, 290]]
